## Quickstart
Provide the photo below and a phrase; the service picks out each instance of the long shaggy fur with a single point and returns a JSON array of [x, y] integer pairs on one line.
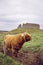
[[14, 43]]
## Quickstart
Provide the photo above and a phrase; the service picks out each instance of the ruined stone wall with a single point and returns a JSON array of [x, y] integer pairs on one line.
[[29, 25]]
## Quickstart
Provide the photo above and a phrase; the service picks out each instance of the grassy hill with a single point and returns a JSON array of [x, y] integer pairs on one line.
[[35, 45]]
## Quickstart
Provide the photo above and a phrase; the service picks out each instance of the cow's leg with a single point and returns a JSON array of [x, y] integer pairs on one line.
[[4, 49], [15, 53], [12, 51]]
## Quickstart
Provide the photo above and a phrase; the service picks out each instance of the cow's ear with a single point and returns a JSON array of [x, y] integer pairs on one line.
[[22, 34]]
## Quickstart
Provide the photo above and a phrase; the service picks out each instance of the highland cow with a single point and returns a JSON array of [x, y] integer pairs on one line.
[[14, 43]]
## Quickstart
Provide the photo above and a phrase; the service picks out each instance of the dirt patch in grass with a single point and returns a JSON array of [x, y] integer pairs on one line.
[[28, 58]]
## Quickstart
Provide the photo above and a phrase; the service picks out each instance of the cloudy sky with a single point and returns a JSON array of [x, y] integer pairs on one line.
[[14, 12]]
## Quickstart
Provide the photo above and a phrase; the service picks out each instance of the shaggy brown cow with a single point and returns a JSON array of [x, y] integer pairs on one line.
[[14, 42]]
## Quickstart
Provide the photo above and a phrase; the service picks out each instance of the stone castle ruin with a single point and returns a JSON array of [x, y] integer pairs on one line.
[[29, 25]]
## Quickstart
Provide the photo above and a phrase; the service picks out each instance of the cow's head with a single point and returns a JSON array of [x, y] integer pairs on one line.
[[27, 36]]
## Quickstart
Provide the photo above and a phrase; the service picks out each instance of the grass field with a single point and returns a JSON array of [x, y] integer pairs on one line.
[[6, 60], [35, 45]]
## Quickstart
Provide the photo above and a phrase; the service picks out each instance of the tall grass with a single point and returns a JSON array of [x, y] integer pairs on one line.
[[6, 60]]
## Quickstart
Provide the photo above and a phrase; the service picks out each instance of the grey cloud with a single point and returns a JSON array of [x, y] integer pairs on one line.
[[20, 11]]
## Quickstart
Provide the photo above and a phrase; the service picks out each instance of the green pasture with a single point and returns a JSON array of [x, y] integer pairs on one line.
[[6, 60], [35, 45]]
